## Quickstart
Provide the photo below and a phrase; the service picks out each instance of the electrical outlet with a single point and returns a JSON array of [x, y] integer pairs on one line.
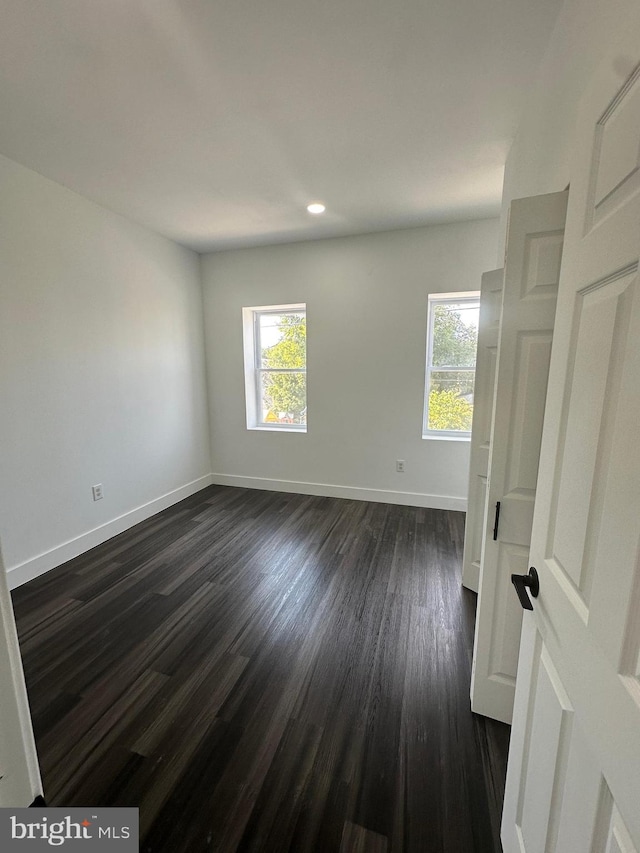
[[400, 466], [97, 492]]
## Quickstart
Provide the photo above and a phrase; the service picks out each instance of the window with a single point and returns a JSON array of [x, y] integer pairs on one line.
[[452, 339], [275, 352]]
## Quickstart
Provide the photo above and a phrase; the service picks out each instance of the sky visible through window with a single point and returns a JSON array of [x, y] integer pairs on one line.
[[270, 329]]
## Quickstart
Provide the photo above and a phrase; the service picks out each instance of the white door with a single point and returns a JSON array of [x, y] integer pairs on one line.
[[573, 780], [531, 276], [19, 775], [488, 330]]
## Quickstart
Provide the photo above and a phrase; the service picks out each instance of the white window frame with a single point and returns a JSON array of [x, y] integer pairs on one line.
[[253, 369], [468, 296]]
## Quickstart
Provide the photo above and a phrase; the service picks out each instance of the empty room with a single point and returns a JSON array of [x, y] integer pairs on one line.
[[319, 384]]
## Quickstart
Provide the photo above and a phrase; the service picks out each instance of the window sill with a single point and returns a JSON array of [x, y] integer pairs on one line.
[[277, 429], [436, 437]]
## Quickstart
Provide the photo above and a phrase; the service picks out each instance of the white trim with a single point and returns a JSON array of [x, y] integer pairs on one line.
[[455, 294], [329, 490], [20, 783], [299, 428], [39, 565], [278, 309], [36, 566], [253, 369], [443, 435]]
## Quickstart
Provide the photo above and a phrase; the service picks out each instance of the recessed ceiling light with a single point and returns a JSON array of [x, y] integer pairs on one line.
[[316, 208]]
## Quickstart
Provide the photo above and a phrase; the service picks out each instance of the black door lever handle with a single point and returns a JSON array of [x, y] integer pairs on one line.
[[521, 582], [496, 521]]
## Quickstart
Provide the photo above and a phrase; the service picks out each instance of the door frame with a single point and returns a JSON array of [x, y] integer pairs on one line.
[[21, 782]]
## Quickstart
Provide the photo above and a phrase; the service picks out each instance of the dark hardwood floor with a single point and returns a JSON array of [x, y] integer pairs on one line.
[[260, 671]]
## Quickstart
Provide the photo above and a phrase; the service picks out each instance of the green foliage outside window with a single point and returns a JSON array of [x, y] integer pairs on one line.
[[451, 392], [454, 343], [448, 410], [285, 394]]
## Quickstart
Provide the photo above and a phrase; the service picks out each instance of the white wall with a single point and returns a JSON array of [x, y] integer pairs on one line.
[[101, 372], [541, 156], [366, 317]]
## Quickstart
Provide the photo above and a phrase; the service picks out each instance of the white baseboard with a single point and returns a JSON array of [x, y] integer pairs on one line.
[[353, 492], [36, 566]]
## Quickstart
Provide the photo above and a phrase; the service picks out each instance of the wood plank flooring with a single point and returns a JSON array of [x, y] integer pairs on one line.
[[260, 671]]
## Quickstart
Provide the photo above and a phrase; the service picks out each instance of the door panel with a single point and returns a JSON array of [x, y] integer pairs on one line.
[[533, 350], [474, 524], [600, 320], [550, 732], [488, 331], [532, 270], [615, 163], [503, 663], [583, 792], [586, 529], [542, 257]]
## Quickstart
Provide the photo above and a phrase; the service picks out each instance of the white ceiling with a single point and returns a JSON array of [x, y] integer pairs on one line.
[[215, 122]]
